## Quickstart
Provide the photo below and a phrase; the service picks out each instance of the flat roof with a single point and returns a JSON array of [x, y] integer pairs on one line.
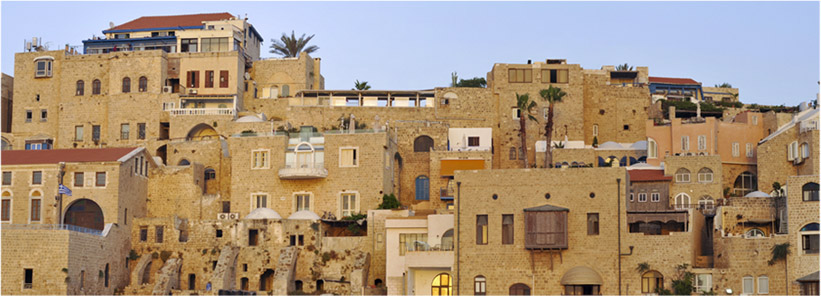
[[53, 156]]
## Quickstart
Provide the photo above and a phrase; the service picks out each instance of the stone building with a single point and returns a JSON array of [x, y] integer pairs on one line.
[[7, 103]]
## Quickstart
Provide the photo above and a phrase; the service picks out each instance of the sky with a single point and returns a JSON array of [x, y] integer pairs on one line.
[[769, 50]]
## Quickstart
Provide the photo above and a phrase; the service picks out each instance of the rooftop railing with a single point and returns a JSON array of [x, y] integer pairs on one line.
[[68, 227]]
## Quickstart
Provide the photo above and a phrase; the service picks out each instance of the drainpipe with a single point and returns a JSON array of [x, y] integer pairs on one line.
[[618, 226], [458, 234], [62, 173]]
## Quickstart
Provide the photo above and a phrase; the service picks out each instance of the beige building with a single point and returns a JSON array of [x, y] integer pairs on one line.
[[7, 103], [419, 252]]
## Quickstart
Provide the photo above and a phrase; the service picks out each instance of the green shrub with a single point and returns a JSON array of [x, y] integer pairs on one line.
[[389, 202]]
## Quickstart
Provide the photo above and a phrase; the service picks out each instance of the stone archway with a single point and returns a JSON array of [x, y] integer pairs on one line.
[[85, 213]]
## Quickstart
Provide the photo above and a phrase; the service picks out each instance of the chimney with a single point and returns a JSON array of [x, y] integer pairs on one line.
[[317, 76], [529, 62], [671, 112]]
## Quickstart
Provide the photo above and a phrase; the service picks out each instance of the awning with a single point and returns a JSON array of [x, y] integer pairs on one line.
[[450, 165], [581, 275], [813, 277], [547, 208], [660, 217]]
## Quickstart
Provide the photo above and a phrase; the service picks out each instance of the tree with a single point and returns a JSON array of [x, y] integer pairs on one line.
[[290, 47], [552, 95], [361, 85], [525, 106], [624, 67], [724, 85], [780, 252], [473, 82]]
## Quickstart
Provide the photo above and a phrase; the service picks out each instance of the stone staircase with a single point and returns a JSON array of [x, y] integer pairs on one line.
[[284, 273], [224, 276]]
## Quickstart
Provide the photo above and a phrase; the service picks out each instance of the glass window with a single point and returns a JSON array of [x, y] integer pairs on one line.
[[642, 197], [215, 44], [651, 281], [655, 197], [6, 178], [348, 157], [412, 242], [80, 88], [682, 201], [6, 211], [473, 141], [481, 229], [29, 115], [422, 188], [749, 149], [303, 202], [95, 87], [810, 191], [259, 159], [805, 150], [141, 131], [79, 180], [100, 179], [36, 178], [158, 231], [809, 238], [188, 45], [520, 75], [507, 229], [702, 143], [124, 130], [95, 132], [652, 148], [209, 78], [763, 285], [143, 84], [35, 207], [442, 285], [685, 143], [479, 285], [43, 68], [78, 133], [592, 223], [126, 85], [682, 175], [735, 150], [705, 175], [748, 285], [348, 205], [43, 115], [260, 200]]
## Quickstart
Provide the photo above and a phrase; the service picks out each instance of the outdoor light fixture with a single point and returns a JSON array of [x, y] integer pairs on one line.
[[728, 291]]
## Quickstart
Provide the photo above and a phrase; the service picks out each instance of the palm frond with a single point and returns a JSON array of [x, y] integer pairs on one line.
[[290, 46]]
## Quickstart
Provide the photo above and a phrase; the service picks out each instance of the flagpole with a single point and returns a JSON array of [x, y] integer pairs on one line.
[[60, 194]]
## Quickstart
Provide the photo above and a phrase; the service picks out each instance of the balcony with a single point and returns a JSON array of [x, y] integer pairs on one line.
[[446, 193], [303, 171], [202, 111], [430, 258]]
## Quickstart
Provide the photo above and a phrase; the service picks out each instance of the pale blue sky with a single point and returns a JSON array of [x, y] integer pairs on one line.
[[770, 50]]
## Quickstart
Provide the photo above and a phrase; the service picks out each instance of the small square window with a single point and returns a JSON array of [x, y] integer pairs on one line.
[[627, 127], [159, 233], [36, 178], [6, 178], [78, 179], [43, 115], [100, 179], [29, 115], [219, 232], [473, 141], [143, 233]]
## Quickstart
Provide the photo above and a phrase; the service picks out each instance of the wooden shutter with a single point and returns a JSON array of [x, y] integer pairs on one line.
[[223, 79], [209, 78]]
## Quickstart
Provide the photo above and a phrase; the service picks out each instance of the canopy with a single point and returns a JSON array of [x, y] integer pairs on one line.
[[581, 275]]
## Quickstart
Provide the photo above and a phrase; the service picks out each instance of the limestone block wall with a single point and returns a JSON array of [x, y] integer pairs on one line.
[[800, 213], [376, 242], [36, 94], [618, 112], [661, 252], [745, 213], [738, 257], [695, 189], [772, 158]]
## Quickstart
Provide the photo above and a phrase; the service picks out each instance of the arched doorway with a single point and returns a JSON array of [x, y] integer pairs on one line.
[[162, 153], [85, 213], [202, 131], [581, 280], [519, 289], [266, 280], [442, 285], [422, 144]]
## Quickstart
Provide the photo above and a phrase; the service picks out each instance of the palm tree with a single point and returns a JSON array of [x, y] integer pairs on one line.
[[290, 47], [525, 106], [361, 85], [552, 95], [780, 252], [624, 67]]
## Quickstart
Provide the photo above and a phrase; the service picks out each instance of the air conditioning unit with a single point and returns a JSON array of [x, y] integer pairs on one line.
[[227, 216], [192, 91], [167, 89]]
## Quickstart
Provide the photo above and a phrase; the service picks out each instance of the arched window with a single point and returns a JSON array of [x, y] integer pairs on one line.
[[809, 238], [143, 84], [763, 284], [210, 174], [6, 210], [106, 275], [286, 90], [422, 188], [95, 87], [126, 85], [447, 240], [519, 289], [479, 285], [623, 161], [184, 162], [706, 202], [705, 175], [652, 148], [810, 191], [81, 87], [422, 144], [682, 201], [442, 285], [805, 150], [651, 282], [36, 206], [683, 175], [755, 232], [745, 183]]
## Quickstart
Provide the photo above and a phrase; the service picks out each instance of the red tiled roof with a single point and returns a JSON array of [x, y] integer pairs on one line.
[[669, 80], [13, 157], [648, 175], [168, 21]]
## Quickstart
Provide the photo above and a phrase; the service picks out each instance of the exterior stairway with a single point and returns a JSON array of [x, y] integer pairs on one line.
[[284, 273]]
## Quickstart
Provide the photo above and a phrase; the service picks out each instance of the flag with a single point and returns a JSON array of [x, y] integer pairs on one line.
[[64, 190]]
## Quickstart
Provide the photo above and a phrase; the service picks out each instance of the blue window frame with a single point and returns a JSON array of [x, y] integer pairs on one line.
[[422, 188]]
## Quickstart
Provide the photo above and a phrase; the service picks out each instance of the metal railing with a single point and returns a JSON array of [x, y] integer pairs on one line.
[[304, 165], [202, 111], [68, 227], [446, 192]]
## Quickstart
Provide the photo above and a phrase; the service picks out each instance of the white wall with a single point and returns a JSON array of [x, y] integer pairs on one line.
[[458, 138]]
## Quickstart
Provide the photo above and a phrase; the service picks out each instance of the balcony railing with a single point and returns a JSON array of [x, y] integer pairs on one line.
[[202, 111], [52, 227], [298, 171], [446, 193]]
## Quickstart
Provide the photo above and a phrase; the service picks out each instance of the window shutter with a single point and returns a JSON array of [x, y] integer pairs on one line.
[[223, 79]]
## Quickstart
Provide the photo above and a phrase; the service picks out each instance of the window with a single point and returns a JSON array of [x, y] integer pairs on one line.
[[348, 157], [632, 196], [706, 202], [735, 150], [36, 177], [95, 87], [792, 150], [554, 76], [422, 144], [516, 113], [100, 179], [348, 204], [442, 285], [80, 88], [745, 182], [652, 148], [626, 127], [214, 44], [188, 45], [412, 242], [473, 141], [126, 85], [223, 79], [809, 238], [210, 174], [592, 223], [481, 229], [193, 79], [143, 86], [749, 151], [521, 153], [36, 203], [512, 153], [28, 278], [755, 232], [702, 143], [78, 179], [479, 285], [682, 175], [302, 202], [5, 215], [209, 79], [655, 197], [259, 159], [507, 229], [28, 115], [260, 200], [141, 131], [703, 283], [763, 284], [705, 175], [253, 237], [286, 90], [95, 132], [642, 197], [651, 281], [520, 75], [685, 143], [805, 150], [78, 133], [682, 201], [143, 233], [43, 68], [43, 115], [6, 178], [124, 129], [595, 130], [422, 188], [748, 285], [809, 191], [158, 233]]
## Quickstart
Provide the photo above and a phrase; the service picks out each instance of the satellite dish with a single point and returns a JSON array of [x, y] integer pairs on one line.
[[110, 25]]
